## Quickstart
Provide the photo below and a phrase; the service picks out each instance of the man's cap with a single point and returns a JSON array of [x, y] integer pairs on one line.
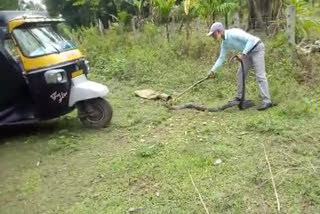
[[215, 26]]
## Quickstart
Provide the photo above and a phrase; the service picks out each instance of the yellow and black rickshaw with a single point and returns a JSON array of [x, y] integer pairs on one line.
[[43, 75]]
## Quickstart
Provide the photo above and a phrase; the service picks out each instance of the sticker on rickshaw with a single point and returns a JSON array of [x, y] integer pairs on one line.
[[70, 54], [58, 96]]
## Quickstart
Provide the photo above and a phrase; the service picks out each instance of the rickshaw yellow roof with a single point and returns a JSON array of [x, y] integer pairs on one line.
[[13, 19]]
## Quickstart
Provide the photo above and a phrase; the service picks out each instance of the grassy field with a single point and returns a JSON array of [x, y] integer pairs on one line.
[[143, 162]]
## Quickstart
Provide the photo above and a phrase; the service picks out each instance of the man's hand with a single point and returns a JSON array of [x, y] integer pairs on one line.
[[210, 75], [240, 56]]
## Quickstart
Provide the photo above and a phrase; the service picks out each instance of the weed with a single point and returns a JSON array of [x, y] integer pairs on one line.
[[63, 141], [150, 151]]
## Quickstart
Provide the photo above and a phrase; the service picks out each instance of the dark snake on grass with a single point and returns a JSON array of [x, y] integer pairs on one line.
[[203, 108]]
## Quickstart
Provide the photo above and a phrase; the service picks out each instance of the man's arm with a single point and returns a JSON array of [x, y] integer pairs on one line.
[[249, 45], [221, 58]]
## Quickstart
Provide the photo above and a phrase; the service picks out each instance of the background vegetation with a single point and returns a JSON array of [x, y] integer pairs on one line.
[[142, 161]]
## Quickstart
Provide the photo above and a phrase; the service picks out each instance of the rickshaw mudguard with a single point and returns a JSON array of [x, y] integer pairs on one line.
[[84, 89]]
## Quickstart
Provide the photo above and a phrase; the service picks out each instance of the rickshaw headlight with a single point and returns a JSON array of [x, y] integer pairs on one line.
[[59, 77], [56, 76]]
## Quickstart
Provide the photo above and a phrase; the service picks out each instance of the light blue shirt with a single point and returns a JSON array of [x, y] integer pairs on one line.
[[235, 39]]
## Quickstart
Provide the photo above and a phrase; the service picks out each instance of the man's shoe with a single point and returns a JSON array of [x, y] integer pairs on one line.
[[264, 106], [234, 101]]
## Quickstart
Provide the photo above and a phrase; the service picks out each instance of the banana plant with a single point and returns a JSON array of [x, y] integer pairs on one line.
[[138, 5], [305, 23], [189, 6], [164, 8], [214, 8]]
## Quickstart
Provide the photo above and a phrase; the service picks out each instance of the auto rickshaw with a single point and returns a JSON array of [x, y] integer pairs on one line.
[[43, 75]]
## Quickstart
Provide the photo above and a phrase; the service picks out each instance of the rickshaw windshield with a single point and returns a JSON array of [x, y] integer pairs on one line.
[[37, 41]]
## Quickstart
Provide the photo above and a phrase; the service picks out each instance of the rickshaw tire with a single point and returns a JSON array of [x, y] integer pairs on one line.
[[103, 107]]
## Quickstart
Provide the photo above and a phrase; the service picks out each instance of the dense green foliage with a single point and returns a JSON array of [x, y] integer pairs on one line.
[[258, 13], [9, 4], [82, 12]]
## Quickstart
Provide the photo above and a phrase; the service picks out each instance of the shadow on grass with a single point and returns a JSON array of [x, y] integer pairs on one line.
[[67, 123]]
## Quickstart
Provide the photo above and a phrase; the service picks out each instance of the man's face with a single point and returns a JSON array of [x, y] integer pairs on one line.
[[217, 35]]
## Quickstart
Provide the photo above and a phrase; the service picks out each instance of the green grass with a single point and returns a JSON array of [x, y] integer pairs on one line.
[[144, 157]]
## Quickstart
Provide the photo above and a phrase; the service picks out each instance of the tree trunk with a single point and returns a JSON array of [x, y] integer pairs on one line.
[[188, 28], [311, 3], [251, 17], [167, 29], [236, 20], [101, 27], [213, 17], [181, 26], [226, 20], [240, 10], [141, 7], [133, 25], [276, 9], [259, 13], [115, 6], [150, 9]]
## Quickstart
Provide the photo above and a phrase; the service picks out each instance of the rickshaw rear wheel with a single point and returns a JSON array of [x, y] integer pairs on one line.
[[95, 113]]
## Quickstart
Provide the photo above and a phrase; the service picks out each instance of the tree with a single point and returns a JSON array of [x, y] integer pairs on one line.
[[164, 8], [83, 12], [139, 5], [226, 6], [9, 4], [189, 6], [215, 8], [259, 13], [262, 12], [23, 5]]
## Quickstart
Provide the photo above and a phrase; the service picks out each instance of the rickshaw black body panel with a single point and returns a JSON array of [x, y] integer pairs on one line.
[[52, 100], [15, 102], [12, 83]]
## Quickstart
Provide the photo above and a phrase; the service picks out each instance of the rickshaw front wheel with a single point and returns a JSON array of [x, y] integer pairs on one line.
[[95, 113]]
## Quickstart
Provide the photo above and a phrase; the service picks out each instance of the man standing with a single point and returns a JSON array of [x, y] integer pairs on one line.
[[252, 54]]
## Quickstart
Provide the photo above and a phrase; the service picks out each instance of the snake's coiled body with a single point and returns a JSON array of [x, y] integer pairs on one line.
[[203, 108]]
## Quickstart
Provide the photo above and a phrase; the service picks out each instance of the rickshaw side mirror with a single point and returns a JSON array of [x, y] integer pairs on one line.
[[17, 59], [86, 68]]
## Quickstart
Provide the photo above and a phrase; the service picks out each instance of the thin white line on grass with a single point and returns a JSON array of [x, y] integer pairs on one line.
[[314, 169], [194, 185], [286, 171], [272, 179]]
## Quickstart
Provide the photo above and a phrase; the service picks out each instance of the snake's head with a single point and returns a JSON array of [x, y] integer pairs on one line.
[[169, 101]]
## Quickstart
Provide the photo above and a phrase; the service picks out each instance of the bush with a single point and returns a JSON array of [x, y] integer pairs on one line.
[[124, 18], [148, 59], [150, 31]]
